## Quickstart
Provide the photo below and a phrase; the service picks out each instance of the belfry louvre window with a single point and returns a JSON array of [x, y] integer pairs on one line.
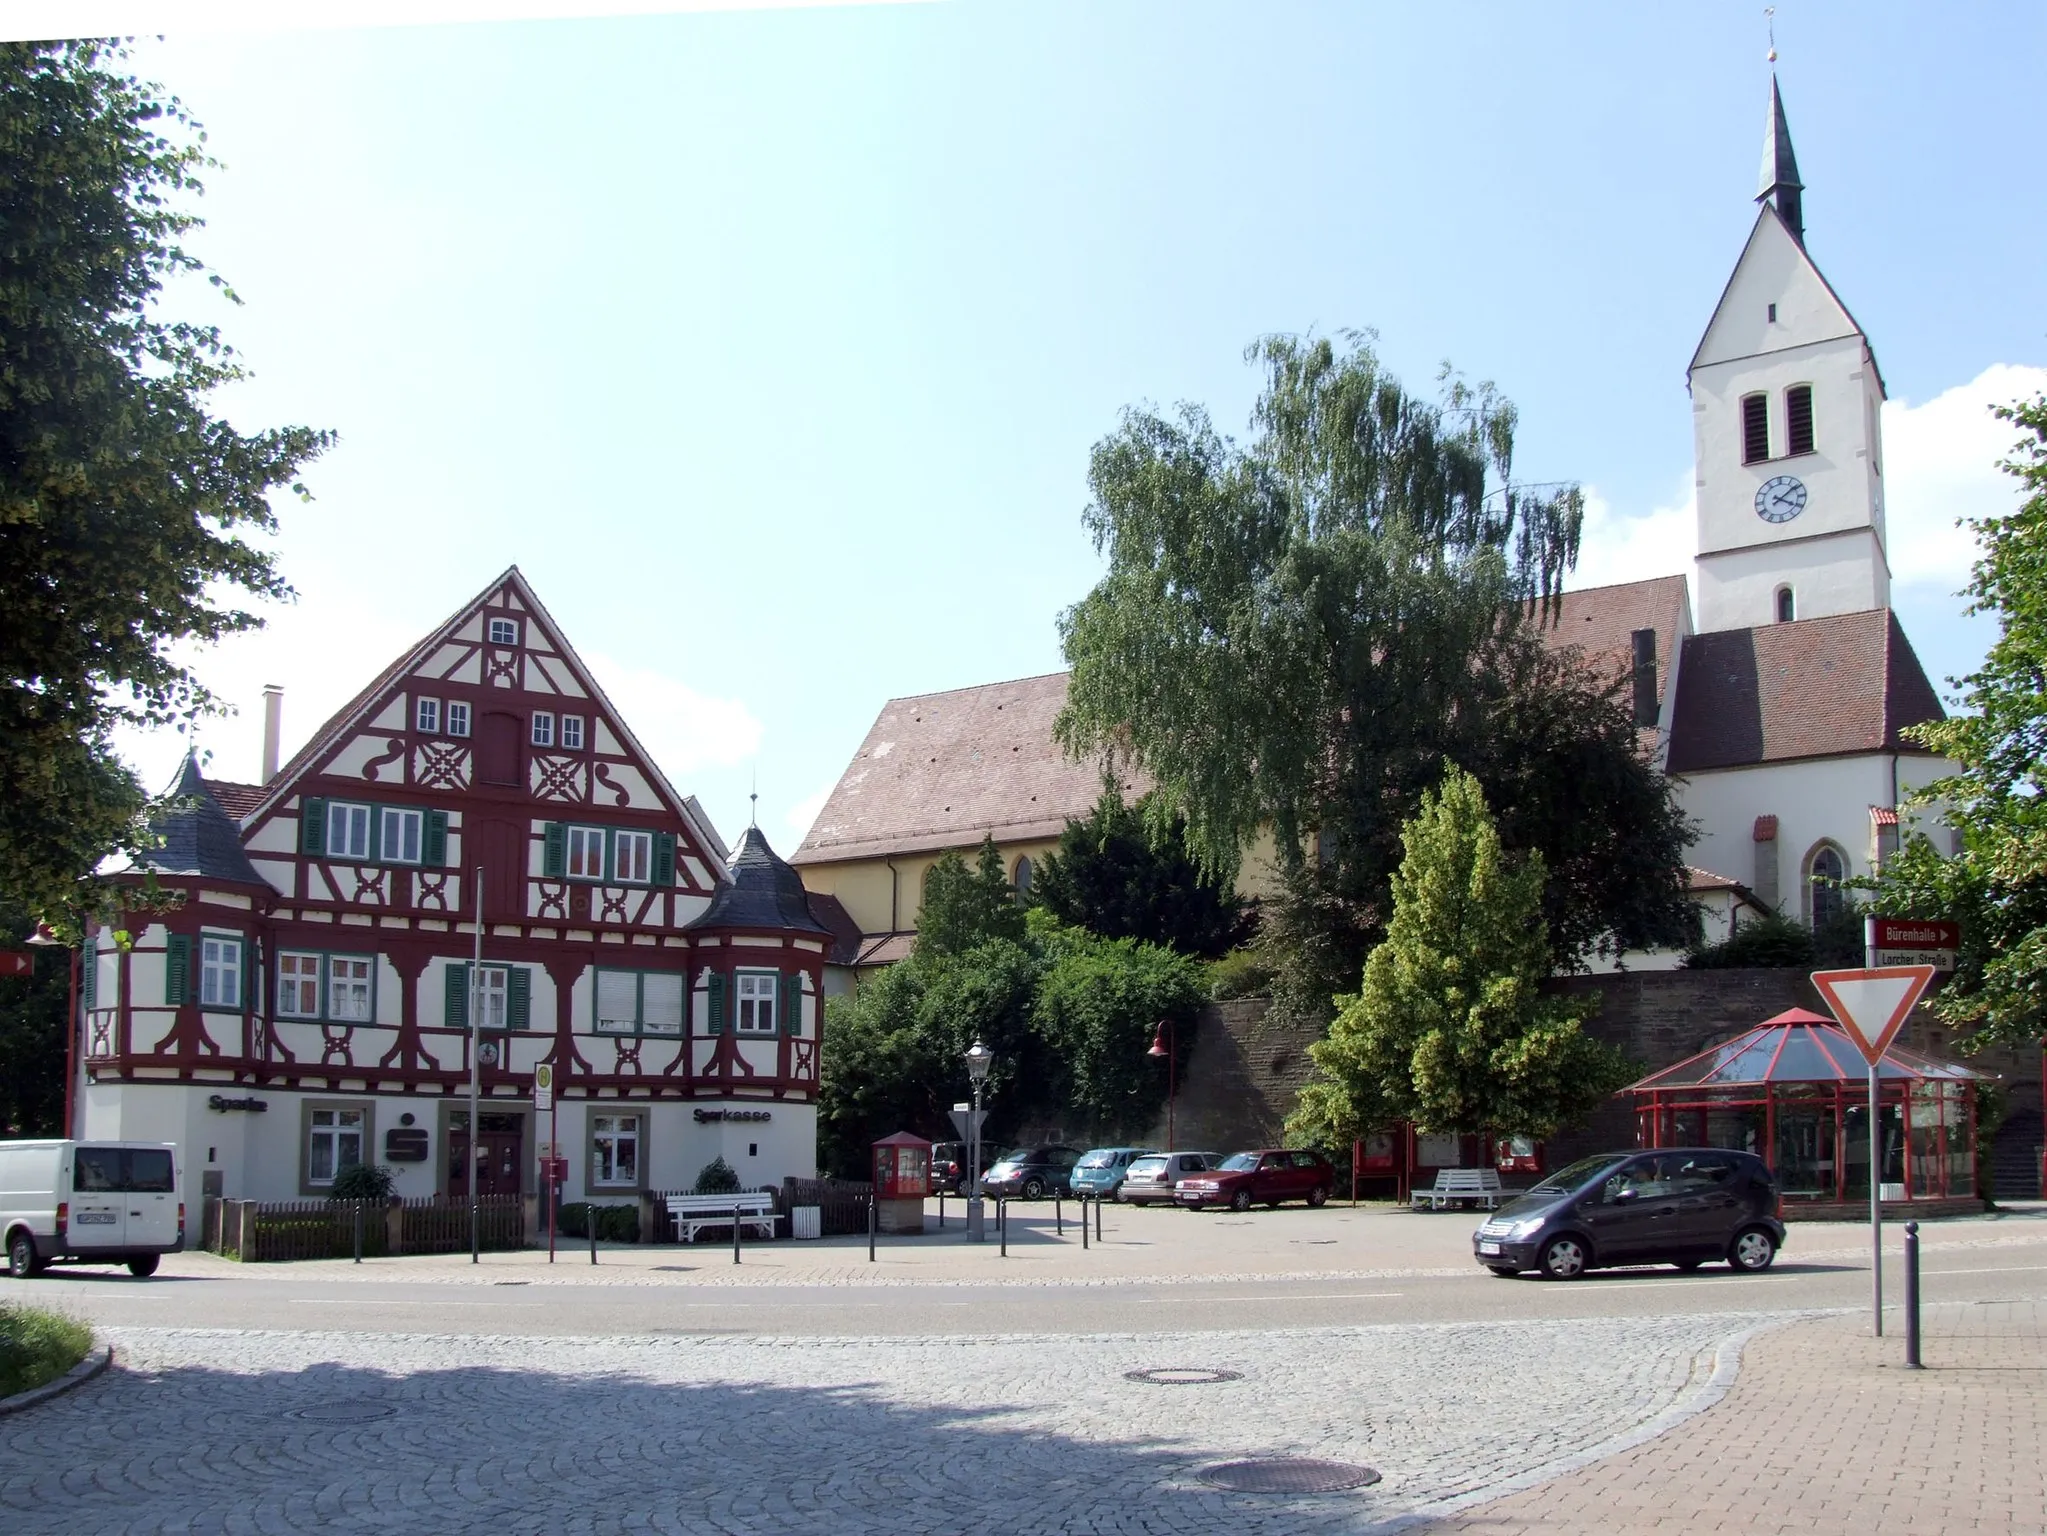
[[1755, 428], [1798, 418]]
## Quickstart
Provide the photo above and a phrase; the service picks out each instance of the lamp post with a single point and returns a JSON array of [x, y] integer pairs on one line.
[[41, 937], [979, 1059], [1162, 1042]]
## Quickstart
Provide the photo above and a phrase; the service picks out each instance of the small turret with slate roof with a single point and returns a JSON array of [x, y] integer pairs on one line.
[[765, 893], [199, 839]]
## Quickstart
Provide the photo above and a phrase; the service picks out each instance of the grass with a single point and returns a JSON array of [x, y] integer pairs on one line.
[[37, 1347]]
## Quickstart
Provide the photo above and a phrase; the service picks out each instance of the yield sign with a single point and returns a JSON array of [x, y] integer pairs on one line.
[[1872, 1005]]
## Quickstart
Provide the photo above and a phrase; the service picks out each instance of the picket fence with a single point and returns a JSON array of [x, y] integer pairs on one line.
[[270, 1231]]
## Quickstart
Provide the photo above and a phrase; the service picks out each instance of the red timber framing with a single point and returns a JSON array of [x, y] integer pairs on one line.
[[343, 896]]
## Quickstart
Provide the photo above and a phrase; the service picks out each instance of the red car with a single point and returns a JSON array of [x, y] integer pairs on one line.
[[1266, 1177]]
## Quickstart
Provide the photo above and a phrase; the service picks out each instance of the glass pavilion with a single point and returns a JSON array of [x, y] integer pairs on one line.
[[1795, 1091]]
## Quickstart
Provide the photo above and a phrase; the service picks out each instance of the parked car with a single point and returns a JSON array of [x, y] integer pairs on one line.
[[1679, 1205], [1099, 1174], [1266, 1177], [1150, 1179], [1031, 1174], [949, 1170], [89, 1202]]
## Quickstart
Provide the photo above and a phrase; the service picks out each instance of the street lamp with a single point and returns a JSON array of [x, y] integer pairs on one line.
[[979, 1059], [41, 937], [1162, 1041]]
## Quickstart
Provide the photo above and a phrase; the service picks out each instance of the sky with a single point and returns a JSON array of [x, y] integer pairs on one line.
[[770, 342]]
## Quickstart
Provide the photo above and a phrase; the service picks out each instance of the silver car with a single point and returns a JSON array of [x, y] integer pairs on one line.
[[1152, 1177]]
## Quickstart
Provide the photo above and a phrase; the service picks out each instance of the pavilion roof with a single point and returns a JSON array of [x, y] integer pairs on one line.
[[1798, 1046]]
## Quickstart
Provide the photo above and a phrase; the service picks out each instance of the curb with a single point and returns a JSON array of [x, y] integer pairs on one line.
[[97, 1359]]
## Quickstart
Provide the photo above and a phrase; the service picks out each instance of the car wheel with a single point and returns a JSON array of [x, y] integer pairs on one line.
[[1564, 1258], [1753, 1250], [1504, 1271], [1034, 1189], [1318, 1196], [21, 1256], [1241, 1200], [143, 1267], [1116, 1194]]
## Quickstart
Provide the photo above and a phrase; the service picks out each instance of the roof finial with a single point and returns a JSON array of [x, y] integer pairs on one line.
[[1770, 21], [754, 816]]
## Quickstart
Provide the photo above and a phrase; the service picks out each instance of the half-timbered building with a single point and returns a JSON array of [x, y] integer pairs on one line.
[[308, 1005]]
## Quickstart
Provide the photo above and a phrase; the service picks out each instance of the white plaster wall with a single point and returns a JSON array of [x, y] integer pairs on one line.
[[783, 1147]]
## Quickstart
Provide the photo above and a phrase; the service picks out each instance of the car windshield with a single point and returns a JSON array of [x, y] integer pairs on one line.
[[1148, 1165], [1240, 1162], [1099, 1160], [1586, 1169]]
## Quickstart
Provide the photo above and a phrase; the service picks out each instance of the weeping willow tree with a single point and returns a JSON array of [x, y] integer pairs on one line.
[[1295, 634]]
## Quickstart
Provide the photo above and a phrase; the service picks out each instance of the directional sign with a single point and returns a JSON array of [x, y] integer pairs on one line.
[[543, 1086], [17, 962], [1912, 941], [1873, 1005]]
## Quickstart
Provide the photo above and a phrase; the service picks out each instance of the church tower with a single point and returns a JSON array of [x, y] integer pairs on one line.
[[1785, 404]]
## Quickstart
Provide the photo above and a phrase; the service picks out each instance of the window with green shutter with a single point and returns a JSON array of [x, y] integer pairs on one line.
[[177, 970], [717, 1000], [457, 997], [664, 858], [518, 998], [312, 826], [556, 859], [792, 1003], [433, 852]]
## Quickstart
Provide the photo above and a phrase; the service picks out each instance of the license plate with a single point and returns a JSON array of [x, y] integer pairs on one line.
[[94, 1218], [1488, 1247]]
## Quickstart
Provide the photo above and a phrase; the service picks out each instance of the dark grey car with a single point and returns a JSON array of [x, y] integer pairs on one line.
[[1678, 1205]]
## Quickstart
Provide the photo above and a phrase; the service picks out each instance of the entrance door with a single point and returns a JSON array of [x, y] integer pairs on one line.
[[498, 1158]]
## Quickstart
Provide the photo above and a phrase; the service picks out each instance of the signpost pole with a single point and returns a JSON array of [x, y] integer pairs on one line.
[[1876, 1205], [475, 1078]]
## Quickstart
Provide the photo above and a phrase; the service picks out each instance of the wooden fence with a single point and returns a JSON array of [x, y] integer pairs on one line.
[[841, 1203], [259, 1231]]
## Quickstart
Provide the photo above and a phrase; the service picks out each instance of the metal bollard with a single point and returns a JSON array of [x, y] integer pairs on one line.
[[1059, 1215], [1098, 1218], [590, 1221], [735, 1233], [1912, 1296], [1002, 1225], [941, 1209], [873, 1224], [358, 1231], [1083, 1226]]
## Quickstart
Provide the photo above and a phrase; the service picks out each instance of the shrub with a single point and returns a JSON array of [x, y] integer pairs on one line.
[[363, 1181], [1240, 973], [36, 1347], [716, 1178], [1770, 940]]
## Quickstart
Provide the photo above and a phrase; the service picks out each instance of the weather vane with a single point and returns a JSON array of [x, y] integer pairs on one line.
[[1770, 21]]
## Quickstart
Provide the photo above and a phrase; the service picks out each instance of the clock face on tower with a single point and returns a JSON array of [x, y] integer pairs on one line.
[[1780, 499]]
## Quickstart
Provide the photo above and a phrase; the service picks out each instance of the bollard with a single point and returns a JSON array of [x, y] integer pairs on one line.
[[736, 1228], [358, 1231], [941, 1209], [590, 1221], [1083, 1225], [1059, 1215], [1912, 1296], [1002, 1225], [1098, 1218], [873, 1222]]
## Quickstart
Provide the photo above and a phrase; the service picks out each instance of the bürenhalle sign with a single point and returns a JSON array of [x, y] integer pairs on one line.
[[1913, 933]]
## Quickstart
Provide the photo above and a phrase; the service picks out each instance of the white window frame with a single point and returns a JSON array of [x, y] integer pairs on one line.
[[401, 821], [670, 1000], [351, 994], [503, 631], [348, 830], [335, 1127], [578, 845], [632, 858], [493, 997], [426, 716], [572, 733], [294, 980], [220, 971], [754, 996], [458, 717], [609, 1136], [543, 728]]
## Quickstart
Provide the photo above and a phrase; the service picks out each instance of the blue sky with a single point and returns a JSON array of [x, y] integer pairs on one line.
[[771, 344]]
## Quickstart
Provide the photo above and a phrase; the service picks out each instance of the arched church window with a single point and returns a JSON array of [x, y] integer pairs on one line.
[[1787, 605], [1824, 872], [1755, 428], [1022, 878], [1798, 418]]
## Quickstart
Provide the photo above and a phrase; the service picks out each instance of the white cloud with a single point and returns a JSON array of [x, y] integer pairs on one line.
[[1616, 547], [1940, 464], [684, 730]]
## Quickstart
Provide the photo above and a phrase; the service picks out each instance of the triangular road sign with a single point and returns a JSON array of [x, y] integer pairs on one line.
[[1873, 1005]]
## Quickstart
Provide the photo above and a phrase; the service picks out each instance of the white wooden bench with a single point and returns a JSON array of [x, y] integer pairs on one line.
[[1461, 1185], [692, 1213]]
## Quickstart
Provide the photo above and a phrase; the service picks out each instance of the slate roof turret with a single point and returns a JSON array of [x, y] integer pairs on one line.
[[765, 893], [199, 839]]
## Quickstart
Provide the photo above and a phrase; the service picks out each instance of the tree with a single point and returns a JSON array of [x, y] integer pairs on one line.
[[125, 506], [1098, 1005], [1995, 883], [964, 907], [1295, 636], [1452, 1029], [1116, 876], [32, 1012]]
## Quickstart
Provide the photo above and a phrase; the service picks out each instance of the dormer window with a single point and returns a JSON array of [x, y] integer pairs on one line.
[[426, 717], [1798, 418], [504, 632], [1755, 428]]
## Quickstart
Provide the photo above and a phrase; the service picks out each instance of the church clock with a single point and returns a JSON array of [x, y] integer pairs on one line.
[[1780, 499]]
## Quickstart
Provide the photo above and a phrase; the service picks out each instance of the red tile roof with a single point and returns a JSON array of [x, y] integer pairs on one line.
[[1780, 692], [236, 799]]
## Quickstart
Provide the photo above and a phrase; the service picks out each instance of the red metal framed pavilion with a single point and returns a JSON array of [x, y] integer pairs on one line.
[[1795, 1091]]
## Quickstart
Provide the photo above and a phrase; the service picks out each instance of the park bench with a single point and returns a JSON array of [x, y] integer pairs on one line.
[[692, 1213], [1461, 1185]]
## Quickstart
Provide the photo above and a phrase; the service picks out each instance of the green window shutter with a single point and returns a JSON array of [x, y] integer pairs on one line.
[[610, 854], [89, 975], [717, 1003], [792, 1003], [312, 826], [458, 997], [664, 858], [557, 856], [252, 978], [177, 970], [433, 840], [518, 997]]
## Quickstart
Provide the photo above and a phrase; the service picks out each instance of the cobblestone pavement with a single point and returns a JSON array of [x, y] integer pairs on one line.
[[1826, 1432], [200, 1431]]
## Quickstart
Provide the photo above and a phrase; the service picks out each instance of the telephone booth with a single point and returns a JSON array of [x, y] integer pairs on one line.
[[902, 1180]]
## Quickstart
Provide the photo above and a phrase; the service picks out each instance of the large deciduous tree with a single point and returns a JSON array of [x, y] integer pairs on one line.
[[125, 505], [1452, 1029], [1995, 883]]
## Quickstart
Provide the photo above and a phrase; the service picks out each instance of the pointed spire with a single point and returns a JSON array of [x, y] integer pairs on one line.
[[1780, 186]]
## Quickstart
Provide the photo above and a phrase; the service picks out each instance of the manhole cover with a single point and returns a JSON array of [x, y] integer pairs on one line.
[[1289, 1474], [1182, 1376], [345, 1412]]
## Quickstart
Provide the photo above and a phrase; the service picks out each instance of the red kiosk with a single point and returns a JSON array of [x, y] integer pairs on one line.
[[902, 1181]]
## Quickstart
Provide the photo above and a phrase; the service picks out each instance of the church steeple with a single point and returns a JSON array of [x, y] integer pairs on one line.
[[1780, 186]]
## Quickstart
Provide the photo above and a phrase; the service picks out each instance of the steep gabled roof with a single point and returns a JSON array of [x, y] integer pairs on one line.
[[236, 799], [1780, 692], [199, 840], [364, 705], [763, 892]]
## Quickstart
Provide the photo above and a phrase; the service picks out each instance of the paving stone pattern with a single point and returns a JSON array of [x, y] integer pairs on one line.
[[250, 1432]]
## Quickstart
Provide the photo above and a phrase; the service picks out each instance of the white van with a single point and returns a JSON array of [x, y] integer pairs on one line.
[[89, 1202]]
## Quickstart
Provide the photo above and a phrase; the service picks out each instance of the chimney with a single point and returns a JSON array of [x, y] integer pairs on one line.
[[273, 728]]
